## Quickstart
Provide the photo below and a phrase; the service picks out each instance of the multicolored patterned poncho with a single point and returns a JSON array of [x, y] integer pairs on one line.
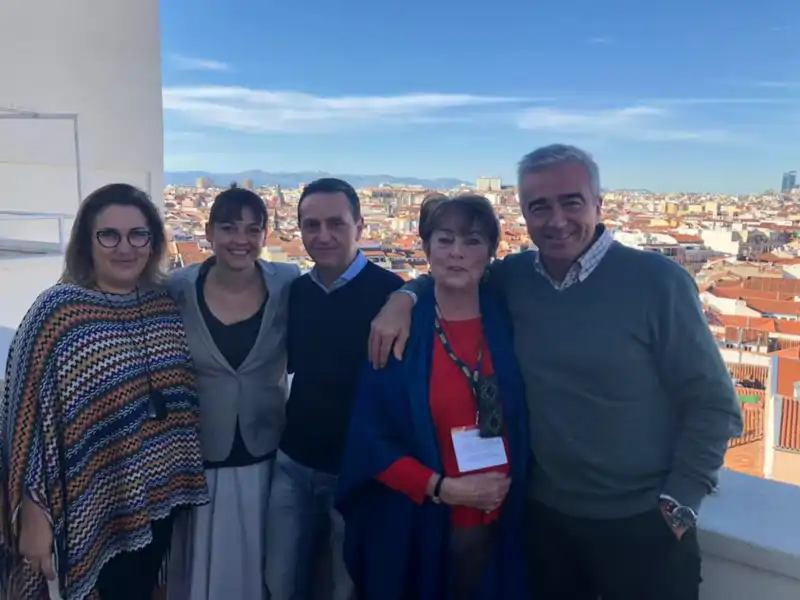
[[74, 419]]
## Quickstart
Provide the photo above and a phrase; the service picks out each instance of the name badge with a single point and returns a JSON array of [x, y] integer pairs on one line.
[[474, 452]]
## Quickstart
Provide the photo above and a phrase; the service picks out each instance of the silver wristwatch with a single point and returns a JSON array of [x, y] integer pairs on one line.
[[679, 517]]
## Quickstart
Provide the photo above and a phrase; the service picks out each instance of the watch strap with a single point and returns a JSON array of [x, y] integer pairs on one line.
[[437, 490]]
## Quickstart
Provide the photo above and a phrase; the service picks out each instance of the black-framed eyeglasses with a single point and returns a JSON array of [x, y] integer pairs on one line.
[[111, 238]]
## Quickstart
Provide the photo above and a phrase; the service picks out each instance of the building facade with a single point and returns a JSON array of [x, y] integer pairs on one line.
[[80, 105]]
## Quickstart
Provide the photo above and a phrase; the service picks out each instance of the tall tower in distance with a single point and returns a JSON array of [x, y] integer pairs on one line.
[[489, 184], [789, 181], [281, 197]]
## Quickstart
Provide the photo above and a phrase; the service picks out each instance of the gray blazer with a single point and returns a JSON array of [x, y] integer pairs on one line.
[[256, 393]]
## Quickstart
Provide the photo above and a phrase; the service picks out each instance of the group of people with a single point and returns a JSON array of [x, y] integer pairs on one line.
[[540, 426]]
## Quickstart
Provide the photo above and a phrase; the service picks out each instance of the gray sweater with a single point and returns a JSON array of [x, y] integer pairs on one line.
[[628, 395]]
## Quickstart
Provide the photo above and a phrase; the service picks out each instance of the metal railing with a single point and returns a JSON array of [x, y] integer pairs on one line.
[[23, 245]]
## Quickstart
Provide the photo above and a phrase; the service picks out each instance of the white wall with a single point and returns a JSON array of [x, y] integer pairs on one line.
[[736, 357], [792, 271], [22, 280], [100, 59], [728, 306], [720, 241]]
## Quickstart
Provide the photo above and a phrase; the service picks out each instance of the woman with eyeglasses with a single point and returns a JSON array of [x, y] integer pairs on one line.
[[99, 421]]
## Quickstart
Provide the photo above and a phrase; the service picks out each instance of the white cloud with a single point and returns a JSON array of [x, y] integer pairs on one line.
[[270, 111], [247, 109], [779, 85], [722, 100], [640, 123], [186, 63]]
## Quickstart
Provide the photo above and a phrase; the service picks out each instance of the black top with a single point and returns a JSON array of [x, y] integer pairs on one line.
[[234, 342], [327, 344]]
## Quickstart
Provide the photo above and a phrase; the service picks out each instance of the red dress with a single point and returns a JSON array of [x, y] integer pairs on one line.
[[452, 405]]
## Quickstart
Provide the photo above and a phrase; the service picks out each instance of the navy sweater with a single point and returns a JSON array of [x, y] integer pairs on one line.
[[327, 346]]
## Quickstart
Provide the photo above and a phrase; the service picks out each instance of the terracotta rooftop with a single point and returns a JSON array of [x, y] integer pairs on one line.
[[777, 260], [775, 307], [187, 247], [741, 292], [773, 284], [760, 323], [744, 372], [683, 238], [776, 326]]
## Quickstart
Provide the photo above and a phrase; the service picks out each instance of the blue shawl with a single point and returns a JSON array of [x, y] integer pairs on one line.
[[396, 549]]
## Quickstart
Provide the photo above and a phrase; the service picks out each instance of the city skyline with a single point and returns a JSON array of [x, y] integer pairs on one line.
[[267, 179], [669, 97]]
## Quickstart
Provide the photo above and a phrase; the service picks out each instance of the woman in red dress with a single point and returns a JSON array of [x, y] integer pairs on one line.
[[433, 475]]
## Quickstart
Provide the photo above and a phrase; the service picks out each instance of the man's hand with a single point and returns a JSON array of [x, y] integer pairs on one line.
[[678, 531], [36, 539], [484, 491], [391, 326]]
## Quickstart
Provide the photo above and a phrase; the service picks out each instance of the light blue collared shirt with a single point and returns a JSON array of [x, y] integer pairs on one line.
[[354, 269]]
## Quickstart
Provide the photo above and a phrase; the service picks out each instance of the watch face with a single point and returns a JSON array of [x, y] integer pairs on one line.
[[684, 517]]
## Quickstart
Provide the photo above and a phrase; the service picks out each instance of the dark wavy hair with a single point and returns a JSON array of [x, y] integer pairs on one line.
[[229, 204], [472, 210], [331, 185], [78, 263]]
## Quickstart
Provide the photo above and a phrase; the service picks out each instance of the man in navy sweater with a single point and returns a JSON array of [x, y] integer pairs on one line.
[[330, 310]]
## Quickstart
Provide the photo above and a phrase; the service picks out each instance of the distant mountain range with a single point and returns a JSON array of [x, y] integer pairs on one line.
[[289, 180]]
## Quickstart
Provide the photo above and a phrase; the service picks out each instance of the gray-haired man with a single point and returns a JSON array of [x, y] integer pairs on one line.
[[631, 406]]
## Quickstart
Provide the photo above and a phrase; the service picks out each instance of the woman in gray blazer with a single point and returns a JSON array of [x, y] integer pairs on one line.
[[234, 309]]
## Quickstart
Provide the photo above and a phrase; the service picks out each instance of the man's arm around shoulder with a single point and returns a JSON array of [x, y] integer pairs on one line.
[[395, 283], [694, 374]]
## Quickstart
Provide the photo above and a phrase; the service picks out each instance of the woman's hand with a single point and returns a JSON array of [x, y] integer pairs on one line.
[[36, 539], [391, 326], [484, 491]]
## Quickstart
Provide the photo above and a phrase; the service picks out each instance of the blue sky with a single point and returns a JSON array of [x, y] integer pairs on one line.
[[671, 96]]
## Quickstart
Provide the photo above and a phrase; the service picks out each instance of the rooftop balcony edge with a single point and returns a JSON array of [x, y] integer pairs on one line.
[[749, 534]]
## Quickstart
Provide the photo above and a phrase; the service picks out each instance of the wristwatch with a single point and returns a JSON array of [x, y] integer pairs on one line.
[[436, 497], [679, 517]]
